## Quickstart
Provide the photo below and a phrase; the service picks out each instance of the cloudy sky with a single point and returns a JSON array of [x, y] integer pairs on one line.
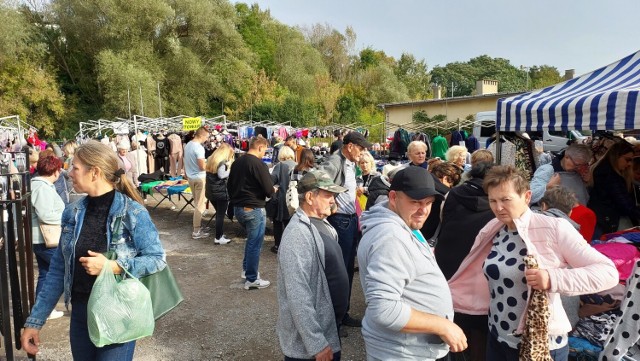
[[568, 34]]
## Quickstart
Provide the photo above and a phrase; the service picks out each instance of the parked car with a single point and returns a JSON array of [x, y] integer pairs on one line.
[[553, 141]]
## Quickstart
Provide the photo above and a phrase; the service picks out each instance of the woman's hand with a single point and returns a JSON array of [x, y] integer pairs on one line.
[[30, 340], [538, 279], [93, 263]]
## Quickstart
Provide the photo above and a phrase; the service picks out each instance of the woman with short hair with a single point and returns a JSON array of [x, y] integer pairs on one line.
[[47, 208], [493, 279], [111, 218], [457, 155]]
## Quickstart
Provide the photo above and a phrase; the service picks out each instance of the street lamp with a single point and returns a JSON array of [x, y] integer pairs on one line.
[[526, 74]]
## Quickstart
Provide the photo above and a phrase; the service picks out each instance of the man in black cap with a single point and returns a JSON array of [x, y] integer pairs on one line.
[[409, 307], [341, 167]]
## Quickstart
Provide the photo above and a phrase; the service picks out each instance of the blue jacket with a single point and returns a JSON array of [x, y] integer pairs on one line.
[[138, 250]]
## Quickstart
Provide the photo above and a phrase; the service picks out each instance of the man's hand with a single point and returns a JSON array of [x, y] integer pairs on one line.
[[453, 336], [538, 279], [325, 355], [30, 340]]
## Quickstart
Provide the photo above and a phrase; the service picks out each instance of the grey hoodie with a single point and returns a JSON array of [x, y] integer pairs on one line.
[[399, 273]]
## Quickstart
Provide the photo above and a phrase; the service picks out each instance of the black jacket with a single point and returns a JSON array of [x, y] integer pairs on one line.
[[377, 188], [466, 211], [215, 188], [431, 224]]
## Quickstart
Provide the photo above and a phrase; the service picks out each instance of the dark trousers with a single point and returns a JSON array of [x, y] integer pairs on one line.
[[278, 230], [497, 351], [475, 328], [336, 357], [347, 228], [221, 208], [83, 349]]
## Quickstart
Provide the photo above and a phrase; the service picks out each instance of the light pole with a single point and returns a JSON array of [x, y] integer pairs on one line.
[[526, 75]]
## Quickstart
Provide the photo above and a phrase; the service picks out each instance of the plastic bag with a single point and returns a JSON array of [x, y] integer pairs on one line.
[[119, 310]]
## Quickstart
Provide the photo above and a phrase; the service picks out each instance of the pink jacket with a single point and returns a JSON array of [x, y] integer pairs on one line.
[[556, 245]]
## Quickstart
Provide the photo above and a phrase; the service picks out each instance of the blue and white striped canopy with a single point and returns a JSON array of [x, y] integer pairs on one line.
[[606, 98]]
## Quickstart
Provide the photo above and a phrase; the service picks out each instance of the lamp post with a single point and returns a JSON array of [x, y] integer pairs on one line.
[[526, 75]]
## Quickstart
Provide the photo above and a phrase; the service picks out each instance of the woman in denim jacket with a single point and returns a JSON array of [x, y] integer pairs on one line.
[[113, 206]]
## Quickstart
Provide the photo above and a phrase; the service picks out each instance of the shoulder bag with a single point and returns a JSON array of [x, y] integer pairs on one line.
[[51, 234]]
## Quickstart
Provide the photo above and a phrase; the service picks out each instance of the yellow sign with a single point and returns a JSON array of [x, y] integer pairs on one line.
[[191, 123]]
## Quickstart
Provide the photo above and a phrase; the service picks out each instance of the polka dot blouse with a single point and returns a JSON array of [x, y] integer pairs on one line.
[[504, 268]]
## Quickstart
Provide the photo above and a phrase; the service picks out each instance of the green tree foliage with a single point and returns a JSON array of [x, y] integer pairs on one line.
[[544, 76], [28, 87], [414, 75], [64, 61]]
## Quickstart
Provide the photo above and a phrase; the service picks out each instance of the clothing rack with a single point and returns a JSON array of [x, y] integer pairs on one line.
[[17, 291]]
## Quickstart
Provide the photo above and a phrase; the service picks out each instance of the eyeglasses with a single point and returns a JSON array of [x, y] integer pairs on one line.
[[580, 166]]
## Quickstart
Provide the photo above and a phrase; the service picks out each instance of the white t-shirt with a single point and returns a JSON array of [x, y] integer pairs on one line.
[[192, 152]]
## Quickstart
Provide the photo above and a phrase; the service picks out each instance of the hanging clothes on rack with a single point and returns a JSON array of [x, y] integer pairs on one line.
[[175, 154], [439, 146]]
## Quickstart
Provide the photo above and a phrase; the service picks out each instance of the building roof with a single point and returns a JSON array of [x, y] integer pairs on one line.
[[453, 99]]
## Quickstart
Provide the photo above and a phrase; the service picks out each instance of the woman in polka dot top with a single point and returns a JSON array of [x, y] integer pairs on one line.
[[493, 280]]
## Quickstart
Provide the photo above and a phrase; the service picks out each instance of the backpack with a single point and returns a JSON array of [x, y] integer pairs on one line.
[[291, 197]]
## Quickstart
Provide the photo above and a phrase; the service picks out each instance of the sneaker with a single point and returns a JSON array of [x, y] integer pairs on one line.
[[257, 284], [55, 314], [222, 240], [274, 249], [199, 234], [245, 277]]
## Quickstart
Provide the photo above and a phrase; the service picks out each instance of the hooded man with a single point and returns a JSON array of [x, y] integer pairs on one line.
[[409, 308]]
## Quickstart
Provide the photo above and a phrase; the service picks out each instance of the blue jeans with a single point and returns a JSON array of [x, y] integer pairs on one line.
[[497, 351], [347, 228], [83, 349], [254, 222], [43, 258]]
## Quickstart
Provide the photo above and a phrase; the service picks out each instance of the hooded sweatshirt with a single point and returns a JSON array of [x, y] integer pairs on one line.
[[398, 273], [466, 210]]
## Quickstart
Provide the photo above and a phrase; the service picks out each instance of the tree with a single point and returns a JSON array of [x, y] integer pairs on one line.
[[327, 94], [333, 46], [414, 75], [543, 76]]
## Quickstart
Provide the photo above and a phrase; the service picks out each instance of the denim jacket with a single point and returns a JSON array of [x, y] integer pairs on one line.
[[131, 234]]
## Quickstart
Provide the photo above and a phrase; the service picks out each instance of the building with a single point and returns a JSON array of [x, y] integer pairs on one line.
[[455, 110]]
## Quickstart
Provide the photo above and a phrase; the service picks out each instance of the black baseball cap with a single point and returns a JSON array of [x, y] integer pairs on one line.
[[318, 179], [356, 138], [416, 182]]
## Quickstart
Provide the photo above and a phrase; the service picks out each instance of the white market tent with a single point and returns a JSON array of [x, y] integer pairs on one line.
[[606, 98]]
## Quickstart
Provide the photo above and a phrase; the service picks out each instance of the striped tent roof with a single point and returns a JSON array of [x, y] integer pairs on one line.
[[606, 98]]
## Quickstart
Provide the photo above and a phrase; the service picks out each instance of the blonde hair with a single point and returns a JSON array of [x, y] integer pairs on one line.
[[96, 154], [286, 153], [69, 148], [416, 143], [367, 157], [481, 155], [454, 152], [224, 153]]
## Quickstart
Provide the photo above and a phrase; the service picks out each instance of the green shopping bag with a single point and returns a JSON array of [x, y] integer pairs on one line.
[[119, 309]]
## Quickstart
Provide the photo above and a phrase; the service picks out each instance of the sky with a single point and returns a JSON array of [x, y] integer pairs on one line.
[[568, 34]]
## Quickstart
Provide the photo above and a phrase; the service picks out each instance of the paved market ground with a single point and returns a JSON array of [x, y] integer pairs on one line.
[[218, 319]]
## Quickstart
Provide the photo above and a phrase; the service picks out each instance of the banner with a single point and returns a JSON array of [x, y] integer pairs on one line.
[[191, 123]]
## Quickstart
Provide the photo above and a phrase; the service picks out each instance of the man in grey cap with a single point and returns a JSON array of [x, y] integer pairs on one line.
[[341, 167], [409, 312], [313, 287]]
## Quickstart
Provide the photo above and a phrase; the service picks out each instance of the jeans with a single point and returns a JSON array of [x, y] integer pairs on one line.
[[221, 208], [43, 257], [336, 357], [347, 228], [83, 349], [199, 201], [497, 351], [254, 221], [278, 230]]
